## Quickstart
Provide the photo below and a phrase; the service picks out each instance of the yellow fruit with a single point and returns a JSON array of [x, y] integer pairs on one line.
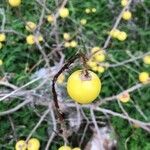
[[99, 57], [50, 18], [77, 148], [67, 44], [64, 12], [40, 38], [1, 45], [33, 144], [146, 60], [127, 15], [125, 97], [73, 44], [83, 21], [1, 62], [61, 79], [30, 39], [91, 63], [143, 77], [14, 3], [21, 145], [122, 36], [95, 49], [114, 33], [95, 68], [66, 36], [30, 26], [83, 89], [124, 3], [100, 69], [87, 10], [2, 37], [93, 10], [65, 148]]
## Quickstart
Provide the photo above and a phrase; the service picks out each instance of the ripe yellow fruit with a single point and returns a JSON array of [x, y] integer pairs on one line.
[[127, 15], [64, 12], [146, 60], [73, 44], [66, 44], [33, 144], [83, 89], [65, 148], [30, 26], [40, 38], [21, 145], [93, 10], [83, 21], [95, 68], [124, 3], [144, 77], [87, 10], [95, 49], [99, 57], [100, 69], [1, 62], [122, 36], [77, 148], [1, 45], [30, 39], [125, 97], [66, 36], [50, 18], [114, 33], [14, 3], [61, 79], [2, 37], [91, 63]]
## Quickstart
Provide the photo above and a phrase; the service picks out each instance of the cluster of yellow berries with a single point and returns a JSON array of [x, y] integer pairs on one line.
[[120, 35], [68, 148], [98, 56], [2, 39], [90, 10], [69, 43], [124, 97], [32, 144]]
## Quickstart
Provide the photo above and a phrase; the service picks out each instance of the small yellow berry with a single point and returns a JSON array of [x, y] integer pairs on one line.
[[1, 45], [21, 145], [100, 69], [50, 18], [127, 15], [30, 26], [144, 77], [33, 144], [124, 3], [64, 12], [2, 37], [66, 36], [93, 10], [122, 36], [87, 10], [1, 62], [14, 3], [94, 68], [95, 49], [65, 148], [83, 21], [99, 57], [146, 60], [91, 63], [114, 33], [77, 148], [40, 38], [124, 97], [30, 39], [73, 44], [60, 79], [66, 44]]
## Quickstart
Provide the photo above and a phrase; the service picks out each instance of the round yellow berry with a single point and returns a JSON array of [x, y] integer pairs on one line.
[[2, 37], [100, 69], [124, 3], [91, 63], [30, 26], [73, 44], [127, 15], [30, 39], [83, 88], [64, 12], [124, 97], [95, 68], [76, 148], [93, 10], [114, 33], [95, 49], [146, 60], [14, 3], [50, 18], [66, 36], [65, 148], [21, 145], [66, 44], [99, 57], [122, 36], [87, 10], [83, 21], [1, 45], [33, 144], [40, 38], [144, 77]]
